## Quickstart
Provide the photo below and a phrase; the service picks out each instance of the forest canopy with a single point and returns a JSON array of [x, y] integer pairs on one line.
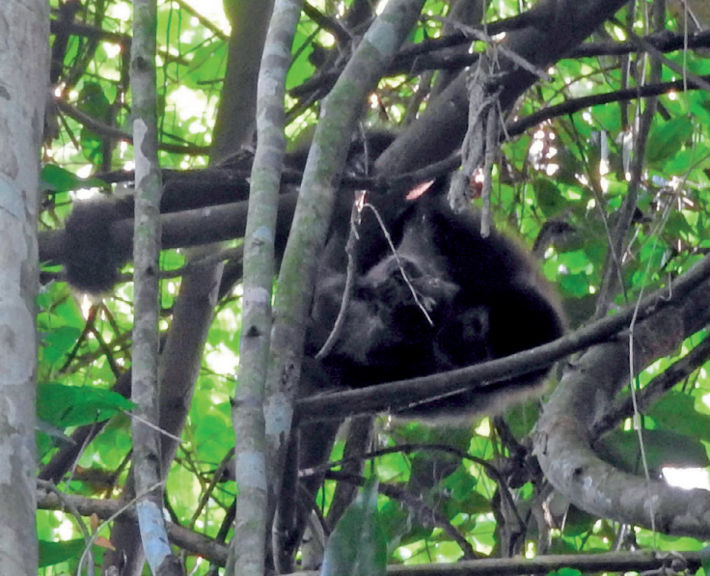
[[581, 130]]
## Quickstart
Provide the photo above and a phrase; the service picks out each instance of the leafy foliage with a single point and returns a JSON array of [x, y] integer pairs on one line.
[[569, 173]]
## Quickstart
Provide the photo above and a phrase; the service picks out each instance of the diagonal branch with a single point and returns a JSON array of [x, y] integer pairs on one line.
[[692, 285]]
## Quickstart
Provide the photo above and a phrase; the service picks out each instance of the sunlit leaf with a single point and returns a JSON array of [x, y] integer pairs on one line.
[[63, 405]]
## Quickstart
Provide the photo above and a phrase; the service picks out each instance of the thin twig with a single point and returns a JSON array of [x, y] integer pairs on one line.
[[349, 285], [397, 259]]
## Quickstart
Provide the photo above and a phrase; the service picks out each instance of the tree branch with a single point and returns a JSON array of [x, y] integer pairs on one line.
[[562, 438], [401, 394]]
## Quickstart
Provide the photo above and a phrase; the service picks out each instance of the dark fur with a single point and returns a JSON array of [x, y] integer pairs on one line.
[[484, 298], [93, 259], [477, 299]]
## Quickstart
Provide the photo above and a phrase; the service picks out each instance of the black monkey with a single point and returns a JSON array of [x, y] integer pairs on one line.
[[93, 259], [447, 298]]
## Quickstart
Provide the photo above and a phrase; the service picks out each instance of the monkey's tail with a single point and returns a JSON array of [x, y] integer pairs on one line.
[[93, 258]]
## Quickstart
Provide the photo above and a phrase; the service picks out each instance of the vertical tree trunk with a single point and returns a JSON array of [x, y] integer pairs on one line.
[[24, 76]]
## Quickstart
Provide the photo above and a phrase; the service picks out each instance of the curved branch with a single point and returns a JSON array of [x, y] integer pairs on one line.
[[562, 438]]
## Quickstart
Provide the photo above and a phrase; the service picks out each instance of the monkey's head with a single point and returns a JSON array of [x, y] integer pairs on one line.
[[390, 318]]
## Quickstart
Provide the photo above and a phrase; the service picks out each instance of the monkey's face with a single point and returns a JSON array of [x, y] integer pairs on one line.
[[390, 319]]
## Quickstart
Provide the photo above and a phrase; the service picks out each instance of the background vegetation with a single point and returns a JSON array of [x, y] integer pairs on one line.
[[602, 171]]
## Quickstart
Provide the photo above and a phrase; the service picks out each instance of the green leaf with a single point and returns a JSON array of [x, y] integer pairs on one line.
[[472, 504], [566, 572], [576, 261], [578, 522], [94, 102], [357, 546], [429, 469], [569, 168], [60, 180], [418, 433], [394, 521], [91, 145], [208, 61], [549, 197], [63, 406], [522, 417], [575, 285], [678, 224], [51, 553], [301, 68], [667, 139], [676, 411], [58, 341]]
